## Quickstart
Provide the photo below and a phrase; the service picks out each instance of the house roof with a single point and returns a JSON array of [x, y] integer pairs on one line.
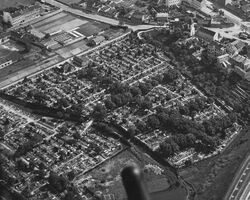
[[99, 39], [162, 15], [241, 59], [238, 44], [137, 15], [217, 45], [206, 31]]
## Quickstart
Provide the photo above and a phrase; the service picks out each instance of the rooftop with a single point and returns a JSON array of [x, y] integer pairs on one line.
[[217, 45], [239, 44], [162, 15], [241, 59], [206, 31]]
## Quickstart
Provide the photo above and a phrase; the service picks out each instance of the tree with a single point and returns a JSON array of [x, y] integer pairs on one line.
[[145, 88], [140, 125], [165, 149], [76, 135], [127, 97], [209, 128], [71, 175], [57, 182], [109, 104], [190, 138], [116, 99], [146, 104], [131, 130], [170, 75], [135, 91], [181, 141], [117, 88], [153, 122], [47, 36], [184, 110], [99, 112]]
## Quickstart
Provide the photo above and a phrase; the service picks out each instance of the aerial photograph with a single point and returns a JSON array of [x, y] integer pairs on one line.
[[124, 99]]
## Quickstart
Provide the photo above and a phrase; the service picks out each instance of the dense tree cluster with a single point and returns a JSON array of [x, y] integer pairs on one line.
[[185, 132], [57, 182]]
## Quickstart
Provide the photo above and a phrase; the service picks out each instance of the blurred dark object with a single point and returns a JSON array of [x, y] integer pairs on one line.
[[134, 184]]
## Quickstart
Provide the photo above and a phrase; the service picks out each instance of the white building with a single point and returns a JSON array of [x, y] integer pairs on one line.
[[162, 17], [172, 2]]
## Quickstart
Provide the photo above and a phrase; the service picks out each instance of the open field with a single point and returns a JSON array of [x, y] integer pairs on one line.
[[11, 69], [106, 177], [14, 3], [213, 176], [60, 21], [88, 29], [67, 22], [50, 19]]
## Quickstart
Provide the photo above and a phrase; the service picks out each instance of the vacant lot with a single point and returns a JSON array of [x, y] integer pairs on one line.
[[106, 177], [212, 177], [14, 3], [8, 71]]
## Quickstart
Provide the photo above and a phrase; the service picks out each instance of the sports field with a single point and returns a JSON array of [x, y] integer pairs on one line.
[[14, 3]]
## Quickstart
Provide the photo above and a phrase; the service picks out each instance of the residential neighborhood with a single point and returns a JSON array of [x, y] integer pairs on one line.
[[89, 89]]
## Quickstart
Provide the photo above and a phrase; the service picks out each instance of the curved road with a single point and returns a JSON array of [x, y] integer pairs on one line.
[[240, 188]]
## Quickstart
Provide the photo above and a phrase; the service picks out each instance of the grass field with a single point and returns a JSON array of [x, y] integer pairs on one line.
[[106, 178], [88, 29], [12, 69], [212, 177], [14, 3]]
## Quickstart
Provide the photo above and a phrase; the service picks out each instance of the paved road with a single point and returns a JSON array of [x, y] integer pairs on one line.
[[240, 188], [95, 16]]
